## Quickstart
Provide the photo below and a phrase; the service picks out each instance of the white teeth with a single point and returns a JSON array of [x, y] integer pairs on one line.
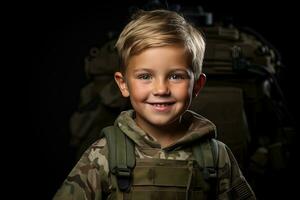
[[160, 105]]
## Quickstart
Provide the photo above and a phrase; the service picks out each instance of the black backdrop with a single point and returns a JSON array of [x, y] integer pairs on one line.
[[61, 35]]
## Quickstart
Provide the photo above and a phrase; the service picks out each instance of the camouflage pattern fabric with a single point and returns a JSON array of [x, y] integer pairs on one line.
[[91, 179]]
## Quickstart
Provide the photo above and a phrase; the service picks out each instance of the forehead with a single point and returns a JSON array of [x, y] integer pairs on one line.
[[166, 56]]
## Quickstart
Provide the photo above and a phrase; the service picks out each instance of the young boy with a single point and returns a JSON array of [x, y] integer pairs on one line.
[[174, 154]]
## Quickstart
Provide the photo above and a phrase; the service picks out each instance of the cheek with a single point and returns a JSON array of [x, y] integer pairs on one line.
[[137, 92], [183, 92]]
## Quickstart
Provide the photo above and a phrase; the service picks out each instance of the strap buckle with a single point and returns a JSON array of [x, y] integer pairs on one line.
[[124, 178], [122, 172], [209, 173]]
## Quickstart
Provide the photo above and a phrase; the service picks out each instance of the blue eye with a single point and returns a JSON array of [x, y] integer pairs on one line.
[[177, 77], [144, 76]]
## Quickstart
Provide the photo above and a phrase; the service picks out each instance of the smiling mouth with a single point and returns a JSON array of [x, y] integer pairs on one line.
[[162, 107], [162, 104]]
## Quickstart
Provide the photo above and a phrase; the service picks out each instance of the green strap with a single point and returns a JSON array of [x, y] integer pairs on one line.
[[206, 155], [121, 156], [215, 152]]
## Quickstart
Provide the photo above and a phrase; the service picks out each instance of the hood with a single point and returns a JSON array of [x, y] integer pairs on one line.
[[199, 127]]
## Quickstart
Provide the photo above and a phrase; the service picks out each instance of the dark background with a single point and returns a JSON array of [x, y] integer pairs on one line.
[[60, 36]]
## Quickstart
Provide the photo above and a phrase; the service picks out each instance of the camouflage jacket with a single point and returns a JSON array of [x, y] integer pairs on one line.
[[90, 178]]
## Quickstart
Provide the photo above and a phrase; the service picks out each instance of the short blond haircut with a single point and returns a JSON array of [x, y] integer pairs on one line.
[[159, 28]]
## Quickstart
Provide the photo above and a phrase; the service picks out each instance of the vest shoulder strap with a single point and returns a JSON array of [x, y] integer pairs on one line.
[[121, 156], [206, 154]]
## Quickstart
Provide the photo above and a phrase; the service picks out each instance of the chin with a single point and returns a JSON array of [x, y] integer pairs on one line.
[[163, 122]]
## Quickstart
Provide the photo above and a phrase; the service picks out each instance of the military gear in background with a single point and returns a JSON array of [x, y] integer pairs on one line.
[[242, 97], [100, 100], [129, 164]]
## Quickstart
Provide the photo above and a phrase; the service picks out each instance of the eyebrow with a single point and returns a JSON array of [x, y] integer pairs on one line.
[[143, 69], [172, 69]]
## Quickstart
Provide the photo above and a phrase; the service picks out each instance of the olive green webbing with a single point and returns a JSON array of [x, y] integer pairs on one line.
[[161, 174], [160, 194], [121, 157], [122, 161], [167, 179], [121, 148], [215, 152], [206, 153], [119, 194]]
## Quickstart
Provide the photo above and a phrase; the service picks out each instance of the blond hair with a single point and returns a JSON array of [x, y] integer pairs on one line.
[[159, 28]]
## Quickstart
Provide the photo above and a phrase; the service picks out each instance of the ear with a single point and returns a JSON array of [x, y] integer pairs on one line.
[[199, 84], [120, 80]]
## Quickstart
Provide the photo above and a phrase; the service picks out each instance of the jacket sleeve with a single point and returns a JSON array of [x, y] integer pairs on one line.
[[88, 180], [232, 184]]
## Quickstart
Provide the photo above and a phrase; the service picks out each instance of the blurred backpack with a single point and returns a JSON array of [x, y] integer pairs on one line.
[[100, 100], [242, 96], [244, 99]]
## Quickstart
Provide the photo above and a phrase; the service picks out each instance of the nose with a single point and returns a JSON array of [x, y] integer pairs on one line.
[[161, 88]]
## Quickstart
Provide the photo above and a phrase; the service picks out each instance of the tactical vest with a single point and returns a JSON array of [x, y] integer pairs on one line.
[[149, 179]]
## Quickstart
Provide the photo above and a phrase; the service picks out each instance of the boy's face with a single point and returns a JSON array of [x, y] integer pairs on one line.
[[160, 85]]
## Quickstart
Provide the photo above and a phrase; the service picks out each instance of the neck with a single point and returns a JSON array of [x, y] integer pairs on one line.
[[165, 135]]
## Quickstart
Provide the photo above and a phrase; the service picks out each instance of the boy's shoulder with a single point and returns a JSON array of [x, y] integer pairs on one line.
[[100, 143], [98, 148], [96, 155]]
